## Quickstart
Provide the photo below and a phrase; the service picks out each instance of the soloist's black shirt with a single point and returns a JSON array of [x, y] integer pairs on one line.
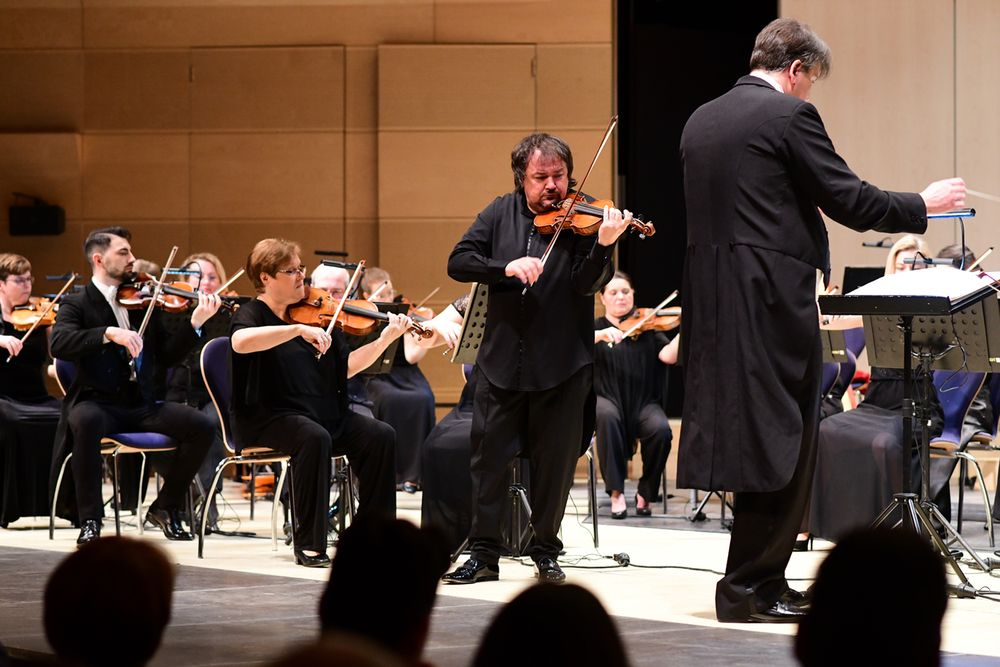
[[535, 341]]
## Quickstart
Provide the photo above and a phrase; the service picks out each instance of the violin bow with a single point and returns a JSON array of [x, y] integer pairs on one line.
[[230, 281], [427, 298], [340, 305], [374, 294], [156, 293], [52, 304], [651, 314], [578, 194], [981, 258]]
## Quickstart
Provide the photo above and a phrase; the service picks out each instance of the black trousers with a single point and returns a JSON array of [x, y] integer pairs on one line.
[[613, 453], [545, 426], [90, 421], [368, 445], [765, 526]]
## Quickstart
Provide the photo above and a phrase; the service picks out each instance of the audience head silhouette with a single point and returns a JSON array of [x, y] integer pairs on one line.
[[394, 608], [552, 624], [113, 582], [878, 599]]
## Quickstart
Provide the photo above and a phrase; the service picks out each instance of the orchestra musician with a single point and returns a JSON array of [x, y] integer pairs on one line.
[[630, 380], [110, 395], [534, 369], [758, 165], [403, 397], [334, 280], [284, 398], [28, 414]]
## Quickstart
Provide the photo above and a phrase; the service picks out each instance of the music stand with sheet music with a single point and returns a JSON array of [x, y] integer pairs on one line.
[[946, 318]]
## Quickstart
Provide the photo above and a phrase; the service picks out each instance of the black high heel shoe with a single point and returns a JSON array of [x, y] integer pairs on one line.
[[301, 558], [804, 545], [642, 511]]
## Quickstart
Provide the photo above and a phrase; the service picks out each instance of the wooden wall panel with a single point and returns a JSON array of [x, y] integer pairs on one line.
[[361, 174], [416, 253], [41, 24], [887, 103], [162, 23], [584, 69], [49, 255], [977, 98], [361, 88], [232, 240], [42, 90], [251, 176], [152, 239], [136, 176], [539, 21], [460, 172], [276, 88], [452, 87], [137, 90], [43, 165], [362, 240]]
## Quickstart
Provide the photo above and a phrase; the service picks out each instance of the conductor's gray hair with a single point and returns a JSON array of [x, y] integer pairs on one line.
[[783, 41]]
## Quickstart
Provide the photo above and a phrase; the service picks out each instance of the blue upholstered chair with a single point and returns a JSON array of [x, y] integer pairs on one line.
[[112, 445]]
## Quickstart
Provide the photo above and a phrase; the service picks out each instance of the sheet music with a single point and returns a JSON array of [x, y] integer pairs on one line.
[[942, 281]]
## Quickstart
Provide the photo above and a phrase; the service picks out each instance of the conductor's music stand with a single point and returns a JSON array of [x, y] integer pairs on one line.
[[949, 320]]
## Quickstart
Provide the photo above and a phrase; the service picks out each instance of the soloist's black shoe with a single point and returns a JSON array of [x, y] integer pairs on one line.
[[322, 560], [781, 611], [547, 569], [410, 487], [472, 571], [798, 599], [90, 531], [170, 522]]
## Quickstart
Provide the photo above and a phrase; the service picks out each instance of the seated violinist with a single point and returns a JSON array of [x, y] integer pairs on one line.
[[284, 398], [630, 381], [403, 397], [112, 391], [28, 415]]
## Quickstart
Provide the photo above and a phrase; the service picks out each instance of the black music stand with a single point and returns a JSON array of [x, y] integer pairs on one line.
[[952, 333]]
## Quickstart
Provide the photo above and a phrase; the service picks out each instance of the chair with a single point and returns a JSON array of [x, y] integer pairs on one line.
[[215, 373], [112, 445], [956, 392]]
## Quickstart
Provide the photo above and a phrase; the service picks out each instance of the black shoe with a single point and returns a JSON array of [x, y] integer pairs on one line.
[[90, 531], [642, 511], [620, 515], [798, 599], [322, 560], [170, 522], [780, 612], [472, 571], [547, 569], [409, 487], [803, 545]]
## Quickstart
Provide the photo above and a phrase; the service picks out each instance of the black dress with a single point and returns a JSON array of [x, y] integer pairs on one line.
[[403, 399], [859, 458], [28, 421], [630, 381]]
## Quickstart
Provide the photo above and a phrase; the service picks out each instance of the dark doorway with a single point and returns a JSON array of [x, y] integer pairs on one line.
[[673, 57]]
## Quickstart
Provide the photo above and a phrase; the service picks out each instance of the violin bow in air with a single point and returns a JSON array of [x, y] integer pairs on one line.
[[340, 305], [52, 304], [650, 315]]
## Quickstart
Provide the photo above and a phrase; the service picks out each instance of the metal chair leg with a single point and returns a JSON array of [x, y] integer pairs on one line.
[[253, 487], [55, 496], [209, 494], [142, 471], [276, 505], [116, 497]]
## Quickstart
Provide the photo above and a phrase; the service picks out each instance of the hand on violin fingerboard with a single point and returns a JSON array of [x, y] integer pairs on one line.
[[525, 269], [12, 344], [615, 223], [208, 305], [398, 325]]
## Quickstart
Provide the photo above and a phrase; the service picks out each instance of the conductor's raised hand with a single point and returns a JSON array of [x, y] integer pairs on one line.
[[525, 269], [943, 196], [130, 340], [316, 336], [615, 222]]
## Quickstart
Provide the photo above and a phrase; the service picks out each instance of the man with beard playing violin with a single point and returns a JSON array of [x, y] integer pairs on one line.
[[111, 395], [534, 370], [284, 398]]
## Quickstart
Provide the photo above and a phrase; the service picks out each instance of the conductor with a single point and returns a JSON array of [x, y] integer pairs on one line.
[[757, 163]]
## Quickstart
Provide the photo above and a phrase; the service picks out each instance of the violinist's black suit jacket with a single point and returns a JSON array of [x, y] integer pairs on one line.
[[757, 164], [103, 377]]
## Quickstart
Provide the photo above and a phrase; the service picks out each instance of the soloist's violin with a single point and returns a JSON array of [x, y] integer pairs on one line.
[[583, 217]]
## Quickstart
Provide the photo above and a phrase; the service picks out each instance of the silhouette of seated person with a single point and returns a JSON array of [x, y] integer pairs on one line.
[[878, 600], [394, 608], [115, 584], [552, 624]]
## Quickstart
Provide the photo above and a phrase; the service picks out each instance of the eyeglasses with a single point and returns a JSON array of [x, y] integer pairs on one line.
[[301, 270], [22, 282]]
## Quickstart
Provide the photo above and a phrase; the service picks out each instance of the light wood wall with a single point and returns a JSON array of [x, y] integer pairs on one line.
[[911, 99], [377, 127]]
